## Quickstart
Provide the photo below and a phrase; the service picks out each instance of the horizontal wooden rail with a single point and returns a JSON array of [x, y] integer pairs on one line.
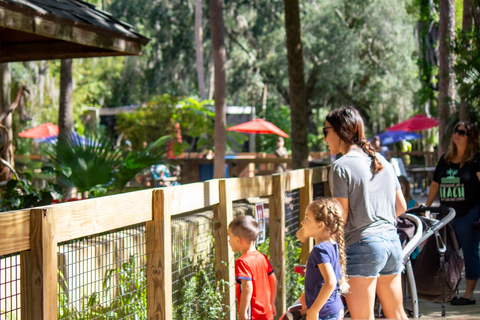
[[14, 231], [294, 179], [320, 174], [193, 196], [242, 188]]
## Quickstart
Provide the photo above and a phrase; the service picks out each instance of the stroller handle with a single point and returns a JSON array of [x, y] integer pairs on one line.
[[434, 224], [447, 213]]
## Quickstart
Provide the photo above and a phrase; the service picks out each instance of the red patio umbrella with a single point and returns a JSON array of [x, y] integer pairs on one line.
[[44, 130], [415, 123], [258, 126]]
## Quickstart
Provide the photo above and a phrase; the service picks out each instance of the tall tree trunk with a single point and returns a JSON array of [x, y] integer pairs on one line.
[[467, 22], [475, 9], [446, 95], [219, 57], [42, 74], [199, 48], [65, 111], [297, 85], [7, 153]]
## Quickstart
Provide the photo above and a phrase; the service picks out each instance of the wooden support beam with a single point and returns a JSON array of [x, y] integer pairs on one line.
[[277, 238], [43, 265], [159, 262], [326, 184], [306, 196], [224, 259]]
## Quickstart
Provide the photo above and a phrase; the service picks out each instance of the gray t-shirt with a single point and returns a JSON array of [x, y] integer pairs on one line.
[[371, 199]]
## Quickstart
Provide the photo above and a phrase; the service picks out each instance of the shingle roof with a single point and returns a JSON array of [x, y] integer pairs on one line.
[[61, 29], [80, 12]]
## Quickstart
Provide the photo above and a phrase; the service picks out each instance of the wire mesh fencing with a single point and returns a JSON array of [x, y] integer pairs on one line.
[[318, 190], [103, 276], [10, 287], [195, 294], [293, 281]]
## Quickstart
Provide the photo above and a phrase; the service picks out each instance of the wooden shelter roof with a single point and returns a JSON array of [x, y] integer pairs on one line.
[[62, 29]]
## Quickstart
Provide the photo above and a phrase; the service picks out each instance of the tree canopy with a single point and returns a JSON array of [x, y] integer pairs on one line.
[[356, 52]]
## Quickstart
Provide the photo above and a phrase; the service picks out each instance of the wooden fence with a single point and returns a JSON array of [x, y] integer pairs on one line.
[[34, 234]]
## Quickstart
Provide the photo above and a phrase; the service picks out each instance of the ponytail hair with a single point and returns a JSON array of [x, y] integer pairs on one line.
[[348, 124], [330, 212]]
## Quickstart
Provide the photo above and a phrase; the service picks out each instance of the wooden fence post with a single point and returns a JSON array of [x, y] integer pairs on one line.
[[326, 184], [277, 239], [306, 196], [43, 265], [159, 258], [224, 259], [26, 285]]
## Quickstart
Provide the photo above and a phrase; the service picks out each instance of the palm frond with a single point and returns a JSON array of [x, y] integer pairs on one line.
[[85, 165]]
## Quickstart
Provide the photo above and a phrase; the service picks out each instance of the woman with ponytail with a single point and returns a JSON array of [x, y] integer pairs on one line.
[[368, 189]]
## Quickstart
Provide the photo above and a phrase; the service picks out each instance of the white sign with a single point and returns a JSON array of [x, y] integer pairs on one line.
[[261, 222]]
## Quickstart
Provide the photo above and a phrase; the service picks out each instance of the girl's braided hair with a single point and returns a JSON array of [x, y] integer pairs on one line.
[[330, 212], [348, 125]]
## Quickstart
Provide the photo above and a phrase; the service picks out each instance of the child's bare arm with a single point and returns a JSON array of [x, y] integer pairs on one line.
[[247, 290], [273, 290], [328, 287]]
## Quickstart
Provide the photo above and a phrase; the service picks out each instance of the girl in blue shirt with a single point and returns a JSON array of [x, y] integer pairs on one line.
[[325, 274]]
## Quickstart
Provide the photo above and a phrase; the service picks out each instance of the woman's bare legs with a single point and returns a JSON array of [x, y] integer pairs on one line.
[[389, 291], [361, 297]]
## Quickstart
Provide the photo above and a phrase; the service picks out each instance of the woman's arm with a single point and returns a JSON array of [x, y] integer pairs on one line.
[[400, 204], [247, 291], [344, 203], [432, 193], [328, 287]]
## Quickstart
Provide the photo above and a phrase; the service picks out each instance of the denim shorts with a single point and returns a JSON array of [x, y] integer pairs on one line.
[[376, 255]]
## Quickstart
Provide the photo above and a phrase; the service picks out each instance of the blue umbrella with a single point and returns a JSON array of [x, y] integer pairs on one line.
[[389, 137], [76, 138]]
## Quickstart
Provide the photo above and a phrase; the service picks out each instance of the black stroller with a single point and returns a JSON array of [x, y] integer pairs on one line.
[[434, 274]]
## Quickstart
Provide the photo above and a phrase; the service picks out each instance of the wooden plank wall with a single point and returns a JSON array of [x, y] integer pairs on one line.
[[35, 234]]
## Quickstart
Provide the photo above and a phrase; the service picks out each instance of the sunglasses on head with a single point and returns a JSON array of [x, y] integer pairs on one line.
[[325, 131], [460, 132]]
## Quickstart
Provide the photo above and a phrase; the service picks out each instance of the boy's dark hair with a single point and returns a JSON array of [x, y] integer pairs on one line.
[[244, 227]]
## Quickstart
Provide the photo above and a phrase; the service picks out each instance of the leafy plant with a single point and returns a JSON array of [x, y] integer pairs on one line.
[[129, 296], [161, 116], [136, 161], [201, 297], [19, 193], [97, 165], [467, 70], [84, 165]]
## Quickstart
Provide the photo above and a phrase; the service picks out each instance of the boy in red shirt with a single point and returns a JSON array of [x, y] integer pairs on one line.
[[256, 287]]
